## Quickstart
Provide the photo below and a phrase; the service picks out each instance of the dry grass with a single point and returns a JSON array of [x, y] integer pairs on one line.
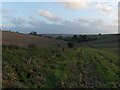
[[13, 38]]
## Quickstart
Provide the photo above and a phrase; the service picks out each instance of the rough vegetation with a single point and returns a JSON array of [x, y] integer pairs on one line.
[[82, 66]]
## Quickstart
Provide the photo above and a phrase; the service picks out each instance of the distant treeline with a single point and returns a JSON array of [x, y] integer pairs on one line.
[[77, 38], [74, 38]]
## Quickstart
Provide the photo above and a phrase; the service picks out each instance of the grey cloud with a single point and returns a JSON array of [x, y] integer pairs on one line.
[[66, 27], [17, 21]]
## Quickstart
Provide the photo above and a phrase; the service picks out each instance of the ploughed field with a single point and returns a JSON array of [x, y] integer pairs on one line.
[[84, 66], [13, 38]]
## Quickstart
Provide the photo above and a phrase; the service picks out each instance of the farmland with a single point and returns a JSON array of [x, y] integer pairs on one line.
[[20, 39], [91, 64]]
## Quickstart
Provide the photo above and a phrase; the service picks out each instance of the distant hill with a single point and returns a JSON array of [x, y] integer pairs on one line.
[[56, 35], [13, 38], [109, 41]]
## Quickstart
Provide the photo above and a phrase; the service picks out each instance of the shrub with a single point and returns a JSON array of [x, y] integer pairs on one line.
[[99, 34], [58, 45], [33, 33], [59, 38], [75, 37], [39, 35], [17, 32], [4, 46], [31, 46], [70, 44], [12, 47]]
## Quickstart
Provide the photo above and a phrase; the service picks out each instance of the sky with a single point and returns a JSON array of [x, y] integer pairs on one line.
[[60, 17]]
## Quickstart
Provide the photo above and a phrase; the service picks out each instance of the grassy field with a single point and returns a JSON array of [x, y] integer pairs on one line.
[[80, 67], [88, 65]]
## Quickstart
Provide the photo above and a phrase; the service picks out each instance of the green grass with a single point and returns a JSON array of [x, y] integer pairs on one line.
[[78, 67], [102, 36], [104, 45]]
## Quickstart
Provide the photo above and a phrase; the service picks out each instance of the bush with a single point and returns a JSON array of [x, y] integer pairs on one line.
[[17, 32], [70, 44], [33, 33], [31, 46], [99, 34], [58, 45], [4, 46], [39, 35], [75, 37], [59, 38], [12, 47]]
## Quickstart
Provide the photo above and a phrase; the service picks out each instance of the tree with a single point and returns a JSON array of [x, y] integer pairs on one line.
[[59, 38], [75, 37], [40, 35], [70, 44], [85, 37], [33, 33]]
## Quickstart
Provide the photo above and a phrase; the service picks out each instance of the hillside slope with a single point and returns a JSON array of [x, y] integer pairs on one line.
[[86, 65], [13, 38], [111, 42], [55, 68]]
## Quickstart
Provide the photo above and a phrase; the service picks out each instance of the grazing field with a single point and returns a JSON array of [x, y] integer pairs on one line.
[[108, 42], [86, 65], [13, 38]]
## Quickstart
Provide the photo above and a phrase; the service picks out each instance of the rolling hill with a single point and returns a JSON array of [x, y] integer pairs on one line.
[[90, 64], [13, 38], [108, 42]]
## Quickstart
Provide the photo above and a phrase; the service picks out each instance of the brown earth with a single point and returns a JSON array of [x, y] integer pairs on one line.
[[13, 38]]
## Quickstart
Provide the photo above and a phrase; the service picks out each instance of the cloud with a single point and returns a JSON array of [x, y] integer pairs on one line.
[[9, 26], [7, 11], [84, 20], [103, 7], [32, 17], [91, 22], [81, 20], [69, 26], [36, 23], [48, 15], [106, 8], [0, 25], [76, 5], [86, 4], [17, 21], [101, 22], [77, 25]]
